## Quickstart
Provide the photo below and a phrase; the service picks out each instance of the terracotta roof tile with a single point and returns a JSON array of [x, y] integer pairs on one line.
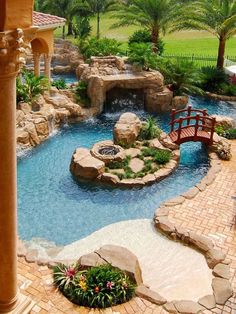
[[43, 19]]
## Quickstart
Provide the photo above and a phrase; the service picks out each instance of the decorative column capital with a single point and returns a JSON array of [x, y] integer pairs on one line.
[[13, 45]]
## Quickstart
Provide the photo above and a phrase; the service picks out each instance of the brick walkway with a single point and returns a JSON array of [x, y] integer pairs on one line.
[[211, 213]]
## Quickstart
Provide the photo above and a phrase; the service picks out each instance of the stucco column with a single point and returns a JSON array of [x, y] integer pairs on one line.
[[47, 66], [11, 47], [8, 284], [36, 57]]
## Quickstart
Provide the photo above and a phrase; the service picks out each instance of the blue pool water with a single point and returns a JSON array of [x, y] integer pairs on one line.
[[53, 206], [69, 77]]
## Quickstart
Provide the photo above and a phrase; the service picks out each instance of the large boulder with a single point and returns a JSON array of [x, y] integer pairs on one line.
[[118, 257], [85, 166], [222, 147], [127, 129], [224, 121]]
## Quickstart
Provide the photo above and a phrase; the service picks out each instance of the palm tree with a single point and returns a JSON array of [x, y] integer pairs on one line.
[[217, 17], [155, 15], [97, 7], [64, 8]]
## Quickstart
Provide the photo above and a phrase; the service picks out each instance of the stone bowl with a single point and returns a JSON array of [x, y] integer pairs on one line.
[[107, 151]]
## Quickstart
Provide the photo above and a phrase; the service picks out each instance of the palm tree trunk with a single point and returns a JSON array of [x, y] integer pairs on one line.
[[221, 52], [155, 38], [98, 25], [63, 31], [70, 28]]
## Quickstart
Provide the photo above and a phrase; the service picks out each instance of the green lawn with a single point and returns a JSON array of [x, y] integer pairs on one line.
[[185, 42]]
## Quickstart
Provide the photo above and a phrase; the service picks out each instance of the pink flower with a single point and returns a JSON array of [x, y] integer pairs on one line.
[[110, 284], [70, 272]]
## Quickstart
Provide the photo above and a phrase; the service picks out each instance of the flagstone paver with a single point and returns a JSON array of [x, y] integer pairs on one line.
[[211, 213]]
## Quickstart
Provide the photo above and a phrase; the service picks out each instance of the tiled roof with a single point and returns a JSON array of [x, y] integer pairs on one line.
[[47, 20]]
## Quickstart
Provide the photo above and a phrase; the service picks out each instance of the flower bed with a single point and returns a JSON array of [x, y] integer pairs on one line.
[[99, 287]]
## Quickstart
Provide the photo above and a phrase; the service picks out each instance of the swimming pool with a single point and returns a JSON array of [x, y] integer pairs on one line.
[[53, 206]]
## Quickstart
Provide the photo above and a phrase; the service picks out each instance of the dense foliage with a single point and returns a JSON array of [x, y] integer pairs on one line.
[[29, 86], [97, 287], [99, 47], [144, 36], [217, 17], [150, 130], [60, 83], [81, 94], [227, 133]]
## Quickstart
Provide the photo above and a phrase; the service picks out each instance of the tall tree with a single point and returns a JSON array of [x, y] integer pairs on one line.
[[64, 8], [217, 17], [97, 7], [158, 16]]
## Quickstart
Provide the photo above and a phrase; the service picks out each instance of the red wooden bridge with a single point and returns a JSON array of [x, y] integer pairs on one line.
[[195, 125]]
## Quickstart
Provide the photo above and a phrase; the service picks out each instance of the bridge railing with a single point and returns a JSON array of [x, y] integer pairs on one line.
[[201, 119]]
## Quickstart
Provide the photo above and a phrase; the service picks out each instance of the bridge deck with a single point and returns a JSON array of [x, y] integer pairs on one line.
[[188, 134]]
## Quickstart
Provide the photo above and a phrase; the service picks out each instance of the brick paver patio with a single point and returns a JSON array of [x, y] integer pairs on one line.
[[211, 213]]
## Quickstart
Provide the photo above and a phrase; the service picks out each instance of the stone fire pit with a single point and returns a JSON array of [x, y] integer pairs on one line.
[[107, 152]]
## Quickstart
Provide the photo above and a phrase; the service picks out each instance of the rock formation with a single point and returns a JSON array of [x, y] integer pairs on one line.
[[52, 108], [105, 73], [127, 129]]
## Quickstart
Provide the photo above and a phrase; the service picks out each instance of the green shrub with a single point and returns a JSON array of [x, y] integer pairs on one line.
[[81, 93], [227, 89], [60, 83], [219, 130], [149, 152], [144, 36], [142, 56], [99, 47], [120, 164], [98, 287], [29, 86], [150, 130], [230, 134], [213, 78], [162, 156]]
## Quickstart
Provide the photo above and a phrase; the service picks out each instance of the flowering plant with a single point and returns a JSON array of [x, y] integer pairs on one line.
[[99, 287]]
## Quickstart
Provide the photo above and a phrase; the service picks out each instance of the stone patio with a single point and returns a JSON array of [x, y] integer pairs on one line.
[[210, 213]]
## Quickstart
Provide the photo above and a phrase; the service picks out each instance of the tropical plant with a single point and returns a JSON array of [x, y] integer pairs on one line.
[[99, 47], [150, 130], [213, 78], [144, 36], [97, 7], [67, 9], [60, 83], [227, 89], [142, 56], [217, 17], [97, 287], [29, 86], [157, 16], [81, 93], [162, 156], [81, 27], [182, 76], [230, 134]]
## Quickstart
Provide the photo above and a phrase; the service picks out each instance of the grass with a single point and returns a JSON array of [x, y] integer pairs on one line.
[[185, 42]]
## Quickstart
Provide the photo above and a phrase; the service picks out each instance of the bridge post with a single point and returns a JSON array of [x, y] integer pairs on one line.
[[189, 114], [212, 129], [180, 129], [204, 121], [172, 119], [196, 127]]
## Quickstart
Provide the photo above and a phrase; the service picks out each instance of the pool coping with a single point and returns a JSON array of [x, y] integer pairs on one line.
[[215, 258]]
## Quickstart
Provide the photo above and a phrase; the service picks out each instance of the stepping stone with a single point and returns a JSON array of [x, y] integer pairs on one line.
[[222, 290], [208, 302], [222, 270], [136, 165]]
